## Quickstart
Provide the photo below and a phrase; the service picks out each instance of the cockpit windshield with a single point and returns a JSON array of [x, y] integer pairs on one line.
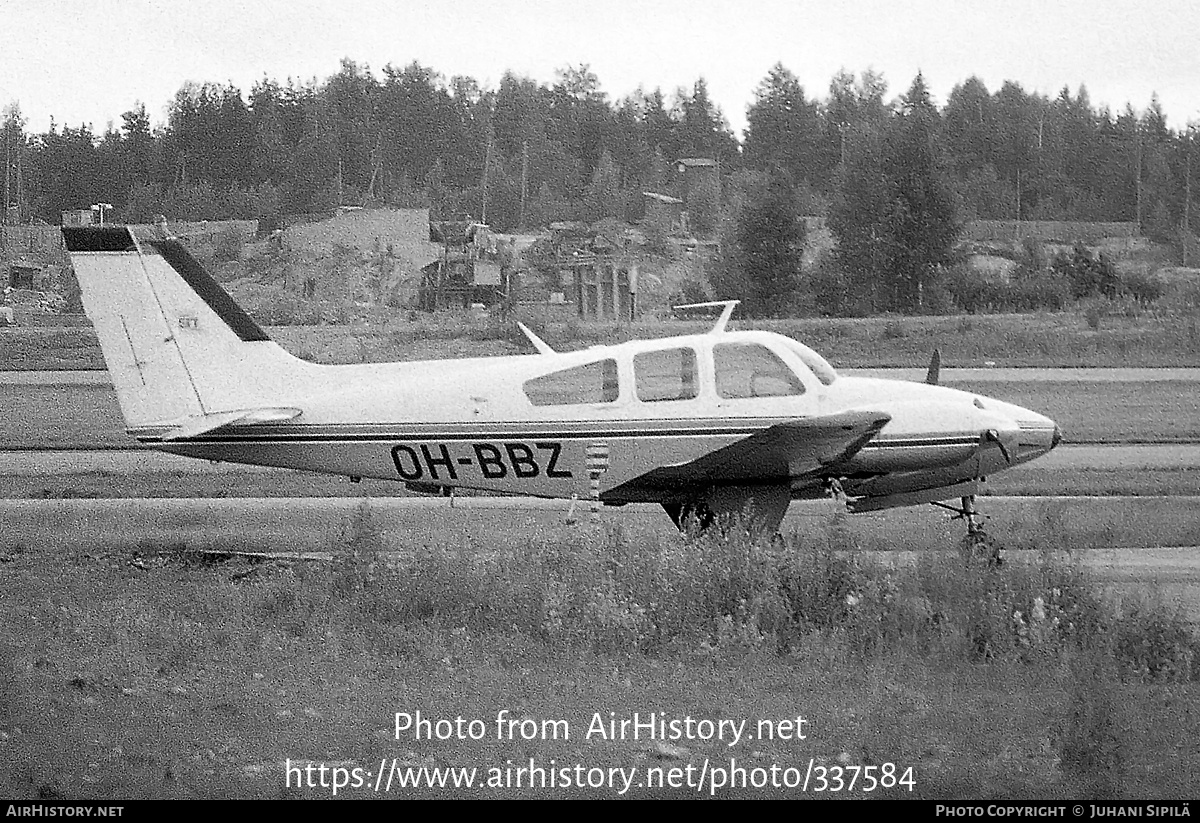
[[819, 365]]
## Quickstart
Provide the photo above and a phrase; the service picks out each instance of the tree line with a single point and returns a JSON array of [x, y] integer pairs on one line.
[[566, 151]]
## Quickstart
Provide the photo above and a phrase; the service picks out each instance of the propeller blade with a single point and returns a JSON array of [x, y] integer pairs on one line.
[[993, 436], [935, 368]]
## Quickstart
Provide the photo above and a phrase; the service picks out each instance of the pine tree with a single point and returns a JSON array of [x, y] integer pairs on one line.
[[763, 260], [858, 218], [894, 213], [783, 128], [603, 198], [923, 220]]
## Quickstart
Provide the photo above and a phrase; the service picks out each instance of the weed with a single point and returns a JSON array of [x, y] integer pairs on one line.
[[727, 594], [1154, 644], [227, 247], [1091, 747], [357, 553], [876, 641]]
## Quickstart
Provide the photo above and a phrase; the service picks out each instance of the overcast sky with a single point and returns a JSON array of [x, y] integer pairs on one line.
[[87, 62]]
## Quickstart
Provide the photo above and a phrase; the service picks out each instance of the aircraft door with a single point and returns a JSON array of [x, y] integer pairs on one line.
[[751, 380], [666, 375]]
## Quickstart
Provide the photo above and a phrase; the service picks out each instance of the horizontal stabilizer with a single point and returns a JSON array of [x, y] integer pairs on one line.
[[203, 423]]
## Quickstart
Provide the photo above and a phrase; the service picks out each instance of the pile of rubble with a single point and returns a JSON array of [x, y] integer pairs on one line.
[[24, 302]]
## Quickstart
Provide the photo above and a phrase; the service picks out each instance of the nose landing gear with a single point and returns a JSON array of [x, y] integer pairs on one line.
[[976, 543]]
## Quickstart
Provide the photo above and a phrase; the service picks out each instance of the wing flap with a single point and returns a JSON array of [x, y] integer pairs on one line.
[[785, 451]]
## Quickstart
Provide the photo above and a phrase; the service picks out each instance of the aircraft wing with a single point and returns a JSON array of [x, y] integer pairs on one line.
[[785, 451]]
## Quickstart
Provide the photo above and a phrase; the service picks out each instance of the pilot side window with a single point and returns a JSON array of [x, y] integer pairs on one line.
[[669, 374], [593, 383], [750, 370]]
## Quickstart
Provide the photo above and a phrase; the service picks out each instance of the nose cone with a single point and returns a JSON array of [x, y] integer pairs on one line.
[[1039, 435], [1035, 434]]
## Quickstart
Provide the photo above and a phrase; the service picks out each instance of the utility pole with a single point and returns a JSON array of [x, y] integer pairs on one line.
[[12, 174], [1139, 178], [4, 204], [1187, 196], [487, 161], [524, 183], [7, 175], [376, 164], [1018, 195]]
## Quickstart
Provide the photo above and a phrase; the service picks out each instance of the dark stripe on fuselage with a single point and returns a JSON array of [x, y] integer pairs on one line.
[[918, 442], [278, 437], [430, 436], [209, 290]]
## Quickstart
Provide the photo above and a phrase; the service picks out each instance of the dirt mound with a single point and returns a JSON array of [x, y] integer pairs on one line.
[[1179, 274], [406, 231]]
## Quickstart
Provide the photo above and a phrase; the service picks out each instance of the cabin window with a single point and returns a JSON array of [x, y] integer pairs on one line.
[[819, 365], [593, 383], [669, 374], [750, 370]]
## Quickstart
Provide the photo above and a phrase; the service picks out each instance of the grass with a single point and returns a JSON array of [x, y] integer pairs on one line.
[[1006, 340], [1146, 339], [49, 348], [143, 672], [1033, 480], [1114, 412]]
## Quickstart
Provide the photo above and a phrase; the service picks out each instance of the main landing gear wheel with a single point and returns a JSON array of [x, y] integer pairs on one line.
[[977, 543]]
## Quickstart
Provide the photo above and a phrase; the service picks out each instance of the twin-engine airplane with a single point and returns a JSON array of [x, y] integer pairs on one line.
[[705, 424]]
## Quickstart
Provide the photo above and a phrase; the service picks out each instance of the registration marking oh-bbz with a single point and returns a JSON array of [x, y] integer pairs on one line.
[[432, 461]]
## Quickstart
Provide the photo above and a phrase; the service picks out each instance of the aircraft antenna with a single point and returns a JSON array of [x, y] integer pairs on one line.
[[723, 320], [538, 343], [935, 368]]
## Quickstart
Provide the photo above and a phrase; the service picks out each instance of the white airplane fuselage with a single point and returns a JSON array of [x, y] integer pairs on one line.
[[467, 423]]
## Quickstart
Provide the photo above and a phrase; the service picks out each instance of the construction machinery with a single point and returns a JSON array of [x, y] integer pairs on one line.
[[469, 269]]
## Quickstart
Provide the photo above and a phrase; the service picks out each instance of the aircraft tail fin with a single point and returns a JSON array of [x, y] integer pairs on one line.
[[177, 346]]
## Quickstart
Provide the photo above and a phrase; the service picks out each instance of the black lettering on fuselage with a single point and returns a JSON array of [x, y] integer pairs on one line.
[[440, 462], [444, 461], [491, 462], [521, 458], [410, 468], [555, 449]]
